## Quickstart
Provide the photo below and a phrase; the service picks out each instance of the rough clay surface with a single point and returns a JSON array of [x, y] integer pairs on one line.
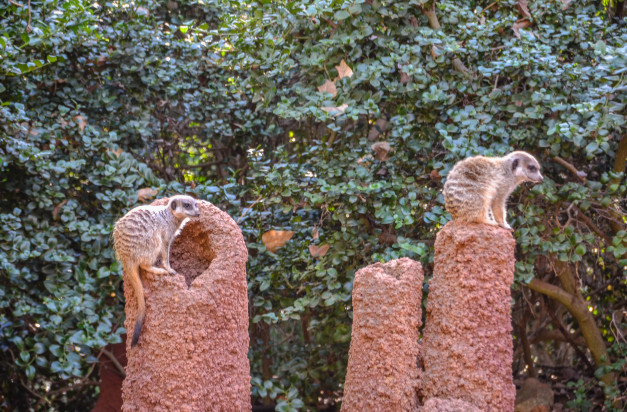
[[448, 405], [382, 370], [192, 352], [467, 345]]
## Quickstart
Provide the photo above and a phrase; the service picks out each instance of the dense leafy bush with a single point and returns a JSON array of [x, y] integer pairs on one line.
[[221, 99]]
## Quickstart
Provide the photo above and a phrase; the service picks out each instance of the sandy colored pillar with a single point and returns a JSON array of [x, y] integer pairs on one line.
[[192, 352], [467, 343], [382, 370]]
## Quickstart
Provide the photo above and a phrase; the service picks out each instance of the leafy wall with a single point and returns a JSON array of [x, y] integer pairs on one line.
[[270, 110]]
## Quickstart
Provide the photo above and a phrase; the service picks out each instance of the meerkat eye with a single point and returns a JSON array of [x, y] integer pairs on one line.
[[532, 168], [186, 205]]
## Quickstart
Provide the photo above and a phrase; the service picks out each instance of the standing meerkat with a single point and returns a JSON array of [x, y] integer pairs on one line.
[[144, 234], [477, 188]]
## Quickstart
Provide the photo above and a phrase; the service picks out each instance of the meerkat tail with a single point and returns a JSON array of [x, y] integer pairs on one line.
[[141, 302]]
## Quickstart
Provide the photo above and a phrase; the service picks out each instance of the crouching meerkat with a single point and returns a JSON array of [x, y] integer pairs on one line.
[[477, 188], [144, 234]]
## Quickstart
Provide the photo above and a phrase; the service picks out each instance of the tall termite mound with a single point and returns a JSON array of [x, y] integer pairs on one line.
[[382, 370], [192, 353], [467, 343]]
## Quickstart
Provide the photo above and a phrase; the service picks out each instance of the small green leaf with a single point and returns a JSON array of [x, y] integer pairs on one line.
[[341, 15]]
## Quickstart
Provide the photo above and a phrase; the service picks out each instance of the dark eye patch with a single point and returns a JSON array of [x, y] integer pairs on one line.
[[532, 168]]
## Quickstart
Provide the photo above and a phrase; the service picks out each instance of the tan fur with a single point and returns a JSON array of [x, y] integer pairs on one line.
[[477, 188], [144, 234]]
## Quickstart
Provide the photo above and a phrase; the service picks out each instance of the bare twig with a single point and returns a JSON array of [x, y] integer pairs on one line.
[[29, 28], [577, 173], [489, 5], [434, 23], [248, 209], [15, 3], [585, 219], [115, 361]]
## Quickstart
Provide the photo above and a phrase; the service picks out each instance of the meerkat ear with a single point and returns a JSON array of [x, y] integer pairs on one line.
[[173, 205], [514, 164]]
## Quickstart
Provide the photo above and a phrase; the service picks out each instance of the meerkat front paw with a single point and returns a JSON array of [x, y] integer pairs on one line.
[[506, 225], [172, 271]]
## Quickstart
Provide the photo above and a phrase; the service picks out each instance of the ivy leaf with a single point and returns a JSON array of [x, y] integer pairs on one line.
[[341, 15]]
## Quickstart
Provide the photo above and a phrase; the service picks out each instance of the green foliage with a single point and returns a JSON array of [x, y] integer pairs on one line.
[[220, 99]]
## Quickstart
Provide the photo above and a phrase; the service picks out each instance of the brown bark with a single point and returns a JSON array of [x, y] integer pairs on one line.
[[571, 298], [524, 342]]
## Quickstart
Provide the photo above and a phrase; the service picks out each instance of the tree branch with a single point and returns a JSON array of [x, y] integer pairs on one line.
[[115, 361], [581, 176], [621, 157], [585, 219]]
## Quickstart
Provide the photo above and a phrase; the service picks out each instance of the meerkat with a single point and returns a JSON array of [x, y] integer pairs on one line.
[[144, 234], [477, 188]]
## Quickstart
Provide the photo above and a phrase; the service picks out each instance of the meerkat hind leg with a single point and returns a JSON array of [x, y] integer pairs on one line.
[[165, 258], [154, 269]]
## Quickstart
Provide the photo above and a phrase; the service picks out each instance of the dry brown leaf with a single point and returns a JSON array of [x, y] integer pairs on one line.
[[335, 111], [521, 24], [482, 21], [364, 160], [318, 251], [57, 209], [524, 10], [435, 176], [29, 129], [377, 128], [565, 4], [387, 239], [343, 70], [146, 193], [329, 87], [80, 121], [382, 151], [434, 52], [404, 78], [117, 153], [314, 234], [101, 60], [275, 239]]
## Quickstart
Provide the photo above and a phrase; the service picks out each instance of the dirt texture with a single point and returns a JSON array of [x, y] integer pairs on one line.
[[192, 352], [382, 370], [467, 345]]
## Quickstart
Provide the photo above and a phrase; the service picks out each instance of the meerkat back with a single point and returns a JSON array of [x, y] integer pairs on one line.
[[466, 188], [136, 235]]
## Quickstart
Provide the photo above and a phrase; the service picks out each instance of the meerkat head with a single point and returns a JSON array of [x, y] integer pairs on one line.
[[183, 206], [524, 167]]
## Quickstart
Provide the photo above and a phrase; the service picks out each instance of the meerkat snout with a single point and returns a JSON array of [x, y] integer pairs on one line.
[[184, 206], [524, 167]]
